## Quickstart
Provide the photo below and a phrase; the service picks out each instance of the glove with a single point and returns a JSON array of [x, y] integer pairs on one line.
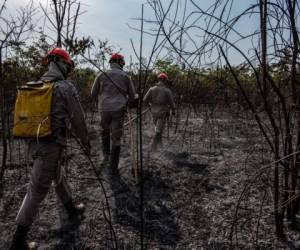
[[87, 149], [134, 103]]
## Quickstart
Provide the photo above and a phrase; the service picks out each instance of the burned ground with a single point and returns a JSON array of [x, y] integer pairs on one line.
[[208, 188]]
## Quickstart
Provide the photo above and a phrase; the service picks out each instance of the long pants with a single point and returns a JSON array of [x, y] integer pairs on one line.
[[159, 121], [46, 169], [112, 123]]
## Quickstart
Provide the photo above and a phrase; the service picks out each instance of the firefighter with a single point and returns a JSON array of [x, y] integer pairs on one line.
[[47, 151], [160, 100], [114, 89]]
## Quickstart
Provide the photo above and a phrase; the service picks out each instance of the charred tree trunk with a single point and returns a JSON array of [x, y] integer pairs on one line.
[[265, 94], [295, 85], [3, 125], [60, 11]]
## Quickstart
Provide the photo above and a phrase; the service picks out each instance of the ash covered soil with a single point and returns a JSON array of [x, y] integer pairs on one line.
[[197, 191]]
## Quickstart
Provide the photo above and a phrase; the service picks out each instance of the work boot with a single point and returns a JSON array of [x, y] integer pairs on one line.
[[19, 238], [159, 141], [105, 147], [75, 212], [156, 141], [114, 160]]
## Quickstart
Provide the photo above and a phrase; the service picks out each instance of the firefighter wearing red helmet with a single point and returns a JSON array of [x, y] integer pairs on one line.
[[47, 151], [62, 59], [160, 100], [163, 77], [112, 90], [62, 54], [117, 58]]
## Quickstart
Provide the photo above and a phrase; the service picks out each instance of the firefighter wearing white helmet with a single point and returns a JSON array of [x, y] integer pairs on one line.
[[160, 100]]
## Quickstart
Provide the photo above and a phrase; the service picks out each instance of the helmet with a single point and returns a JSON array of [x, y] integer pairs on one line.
[[117, 58], [163, 76], [62, 54]]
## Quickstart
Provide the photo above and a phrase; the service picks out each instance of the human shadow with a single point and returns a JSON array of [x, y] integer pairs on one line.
[[158, 219], [68, 233]]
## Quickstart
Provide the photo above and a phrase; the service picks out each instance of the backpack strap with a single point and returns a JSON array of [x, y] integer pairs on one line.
[[121, 91]]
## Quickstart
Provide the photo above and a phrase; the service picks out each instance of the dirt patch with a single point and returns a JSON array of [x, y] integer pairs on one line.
[[190, 192]]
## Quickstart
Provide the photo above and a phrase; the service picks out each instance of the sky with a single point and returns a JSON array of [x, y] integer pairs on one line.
[[103, 19], [110, 19]]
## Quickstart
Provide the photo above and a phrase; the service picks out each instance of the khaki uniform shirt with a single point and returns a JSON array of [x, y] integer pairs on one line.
[[66, 108], [113, 88], [160, 99]]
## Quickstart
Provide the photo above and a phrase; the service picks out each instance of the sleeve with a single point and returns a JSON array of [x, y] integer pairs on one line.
[[96, 89], [171, 100], [76, 115], [147, 97]]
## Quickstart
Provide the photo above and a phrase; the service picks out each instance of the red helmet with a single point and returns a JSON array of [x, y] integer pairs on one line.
[[163, 76], [117, 58], [61, 53]]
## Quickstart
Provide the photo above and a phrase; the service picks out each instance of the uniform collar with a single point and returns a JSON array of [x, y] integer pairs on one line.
[[115, 66], [161, 84], [53, 73]]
